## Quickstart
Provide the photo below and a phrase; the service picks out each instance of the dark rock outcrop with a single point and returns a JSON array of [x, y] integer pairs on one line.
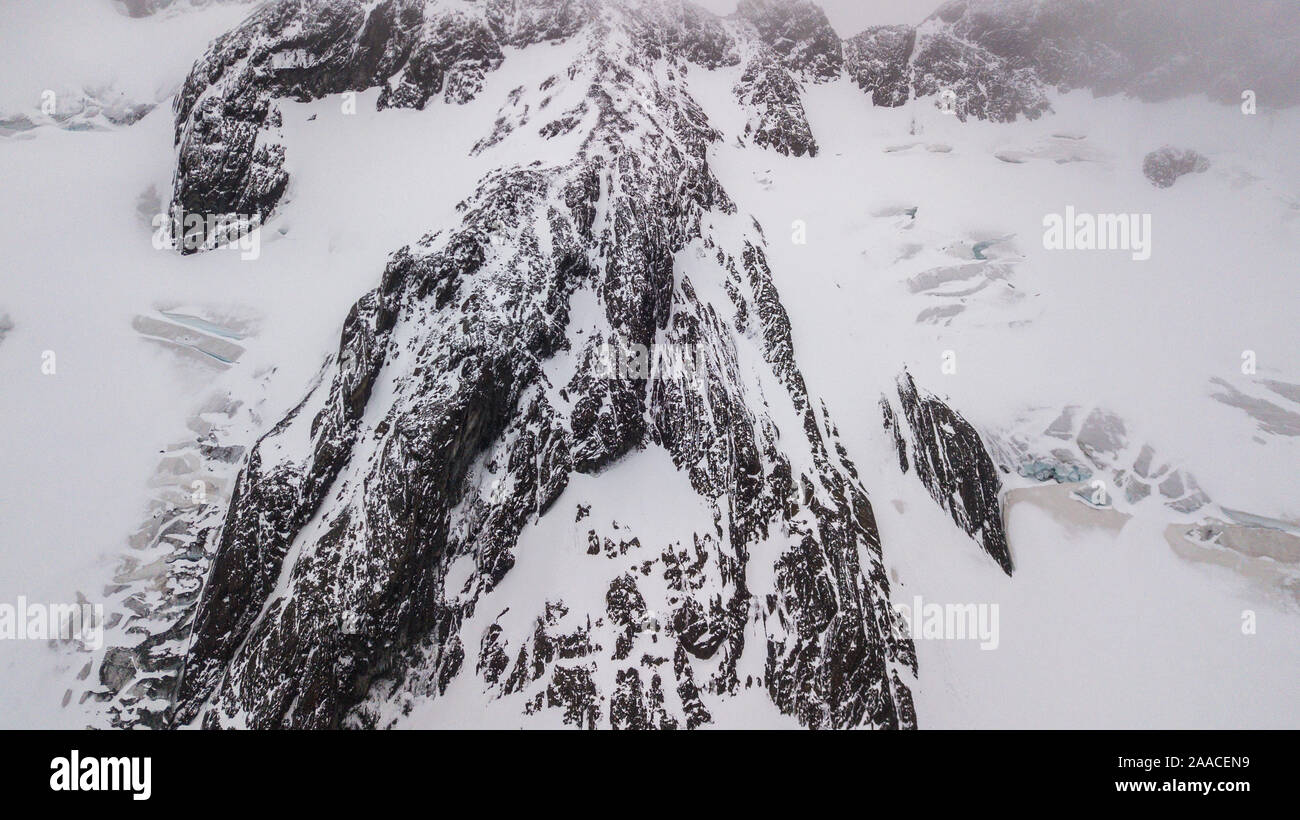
[[1165, 165], [230, 154], [896, 63], [779, 121], [953, 464], [994, 59], [681, 30], [877, 60], [799, 33], [976, 82], [1151, 49]]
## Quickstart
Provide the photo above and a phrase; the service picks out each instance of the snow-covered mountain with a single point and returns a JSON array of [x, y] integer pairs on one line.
[[614, 363]]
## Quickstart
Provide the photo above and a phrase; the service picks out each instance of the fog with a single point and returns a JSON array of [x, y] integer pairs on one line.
[[850, 17]]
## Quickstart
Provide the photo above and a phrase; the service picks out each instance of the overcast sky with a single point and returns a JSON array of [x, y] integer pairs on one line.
[[851, 16]]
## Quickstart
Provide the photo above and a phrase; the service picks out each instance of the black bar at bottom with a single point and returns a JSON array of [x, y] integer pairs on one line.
[[201, 770]]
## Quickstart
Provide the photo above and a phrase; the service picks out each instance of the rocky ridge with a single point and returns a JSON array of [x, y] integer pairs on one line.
[[440, 436]]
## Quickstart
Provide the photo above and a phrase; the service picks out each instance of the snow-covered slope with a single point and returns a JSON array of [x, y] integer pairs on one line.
[[441, 504]]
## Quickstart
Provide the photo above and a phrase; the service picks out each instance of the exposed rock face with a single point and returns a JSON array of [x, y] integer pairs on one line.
[[798, 31], [779, 121], [976, 82], [681, 29], [1164, 166], [231, 150], [230, 153], [788, 43], [877, 60], [896, 63], [386, 514], [953, 464], [996, 57], [1142, 47]]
